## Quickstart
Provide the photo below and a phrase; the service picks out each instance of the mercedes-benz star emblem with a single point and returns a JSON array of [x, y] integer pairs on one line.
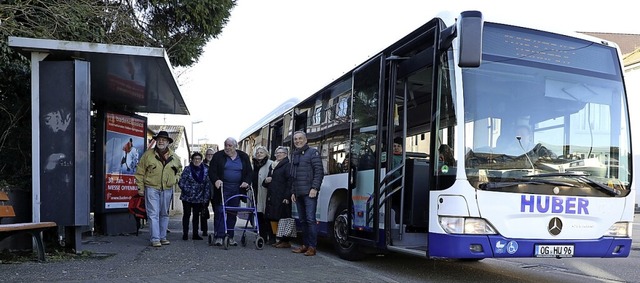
[[555, 226]]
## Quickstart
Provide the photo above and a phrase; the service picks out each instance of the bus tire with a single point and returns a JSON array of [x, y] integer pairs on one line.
[[347, 250]]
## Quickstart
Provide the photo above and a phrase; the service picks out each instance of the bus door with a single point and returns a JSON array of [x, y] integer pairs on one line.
[[406, 186], [365, 154], [407, 120]]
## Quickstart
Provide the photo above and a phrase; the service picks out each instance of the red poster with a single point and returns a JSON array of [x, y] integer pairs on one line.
[[125, 144]]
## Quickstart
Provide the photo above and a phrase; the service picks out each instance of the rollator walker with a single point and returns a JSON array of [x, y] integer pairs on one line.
[[251, 213]]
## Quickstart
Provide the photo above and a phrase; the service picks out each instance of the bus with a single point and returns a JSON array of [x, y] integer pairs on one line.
[[515, 142]]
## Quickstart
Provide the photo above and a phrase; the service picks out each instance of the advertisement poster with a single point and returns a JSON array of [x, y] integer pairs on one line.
[[125, 144], [126, 78]]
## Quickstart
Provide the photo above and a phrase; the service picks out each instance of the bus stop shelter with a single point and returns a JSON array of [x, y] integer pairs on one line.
[[82, 93]]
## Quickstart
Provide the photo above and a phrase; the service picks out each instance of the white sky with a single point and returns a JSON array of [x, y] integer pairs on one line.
[[271, 51]]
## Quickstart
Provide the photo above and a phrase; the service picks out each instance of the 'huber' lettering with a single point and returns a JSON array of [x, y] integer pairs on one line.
[[554, 204]]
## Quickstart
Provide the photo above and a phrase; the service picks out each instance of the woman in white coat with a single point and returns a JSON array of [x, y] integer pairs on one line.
[[261, 165]]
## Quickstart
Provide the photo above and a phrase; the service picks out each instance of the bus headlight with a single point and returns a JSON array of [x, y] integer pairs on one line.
[[620, 229], [466, 225]]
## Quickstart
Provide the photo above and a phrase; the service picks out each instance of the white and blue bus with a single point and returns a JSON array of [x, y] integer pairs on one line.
[[515, 143]]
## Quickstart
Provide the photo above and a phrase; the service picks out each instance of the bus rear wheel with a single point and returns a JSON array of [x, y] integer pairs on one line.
[[346, 249]]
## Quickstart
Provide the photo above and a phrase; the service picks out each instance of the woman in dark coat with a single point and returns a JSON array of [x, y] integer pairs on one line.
[[196, 191], [278, 184]]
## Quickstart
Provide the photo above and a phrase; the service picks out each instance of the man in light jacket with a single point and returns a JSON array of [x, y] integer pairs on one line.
[[157, 173]]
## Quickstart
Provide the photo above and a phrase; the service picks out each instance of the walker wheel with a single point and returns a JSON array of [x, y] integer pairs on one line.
[[259, 243], [211, 240], [225, 242], [243, 240]]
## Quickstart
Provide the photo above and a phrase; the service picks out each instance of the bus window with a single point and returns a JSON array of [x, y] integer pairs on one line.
[[337, 133], [445, 123]]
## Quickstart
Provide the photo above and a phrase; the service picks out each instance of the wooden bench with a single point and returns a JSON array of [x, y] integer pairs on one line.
[[33, 228]]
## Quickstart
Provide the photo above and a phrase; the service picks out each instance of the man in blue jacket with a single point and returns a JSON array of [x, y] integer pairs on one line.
[[306, 173]]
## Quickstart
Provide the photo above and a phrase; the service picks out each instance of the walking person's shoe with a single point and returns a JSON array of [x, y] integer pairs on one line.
[[232, 242], [156, 244], [196, 237], [301, 249], [283, 244], [165, 242], [185, 237], [311, 251], [218, 242]]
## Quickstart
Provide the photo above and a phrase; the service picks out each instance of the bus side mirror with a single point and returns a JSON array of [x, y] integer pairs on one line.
[[470, 27]]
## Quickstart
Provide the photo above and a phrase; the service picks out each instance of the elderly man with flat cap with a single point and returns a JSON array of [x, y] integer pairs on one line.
[[157, 173]]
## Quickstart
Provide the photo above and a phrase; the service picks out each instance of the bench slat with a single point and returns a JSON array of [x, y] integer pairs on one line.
[[7, 230], [7, 211], [26, 226]]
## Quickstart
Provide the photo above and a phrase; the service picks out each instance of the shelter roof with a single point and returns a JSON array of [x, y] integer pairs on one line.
[[130, 78]]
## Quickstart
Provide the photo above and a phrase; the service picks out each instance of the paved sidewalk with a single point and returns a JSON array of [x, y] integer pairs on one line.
[[130, 258]]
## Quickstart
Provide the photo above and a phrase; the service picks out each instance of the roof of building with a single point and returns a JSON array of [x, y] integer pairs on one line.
[[627, 42], [631, 58], [176, 132]]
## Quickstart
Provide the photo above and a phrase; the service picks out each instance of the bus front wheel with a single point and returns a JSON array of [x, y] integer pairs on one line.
[[346, 249]]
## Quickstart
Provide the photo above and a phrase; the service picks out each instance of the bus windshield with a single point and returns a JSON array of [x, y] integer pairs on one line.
[[546, 113]]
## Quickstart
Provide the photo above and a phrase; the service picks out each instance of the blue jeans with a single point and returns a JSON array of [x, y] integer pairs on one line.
[[157, 205], [232, 218], [307, 216]]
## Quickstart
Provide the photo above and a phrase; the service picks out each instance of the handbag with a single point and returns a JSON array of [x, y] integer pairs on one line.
[[137, 208], [286, 227]]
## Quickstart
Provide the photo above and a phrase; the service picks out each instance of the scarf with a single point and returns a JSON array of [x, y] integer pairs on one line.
[[197, 172], [258, 163], [162, 154], [297, 153]]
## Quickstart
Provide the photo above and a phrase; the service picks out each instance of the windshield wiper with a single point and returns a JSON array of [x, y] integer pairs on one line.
[[502, 185], [581, 177], [555, 183], [497, 185], [559, 174], [609, 190]]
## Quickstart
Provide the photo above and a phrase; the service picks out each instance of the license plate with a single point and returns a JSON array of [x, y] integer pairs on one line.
[[554, 250]]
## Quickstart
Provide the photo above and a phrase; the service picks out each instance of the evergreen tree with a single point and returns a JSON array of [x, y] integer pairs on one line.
[[181, 27]]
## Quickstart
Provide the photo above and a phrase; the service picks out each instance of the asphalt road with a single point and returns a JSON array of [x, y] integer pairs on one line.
[[127, 258]]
